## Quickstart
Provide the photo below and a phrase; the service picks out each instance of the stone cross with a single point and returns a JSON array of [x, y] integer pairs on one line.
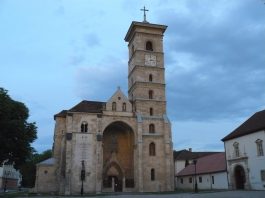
[[144, 10]]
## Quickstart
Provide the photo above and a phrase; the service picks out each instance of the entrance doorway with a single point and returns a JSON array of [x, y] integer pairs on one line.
[[118, 156], [113, 177], [240, 177]]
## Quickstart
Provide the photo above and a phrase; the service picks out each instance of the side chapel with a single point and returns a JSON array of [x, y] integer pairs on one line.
[[124, 144]]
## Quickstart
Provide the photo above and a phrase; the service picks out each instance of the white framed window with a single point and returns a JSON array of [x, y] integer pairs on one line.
[[259, 143], [236, 149]]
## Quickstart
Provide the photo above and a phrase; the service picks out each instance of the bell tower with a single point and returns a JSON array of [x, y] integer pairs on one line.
[[146, 80], [146, 90]]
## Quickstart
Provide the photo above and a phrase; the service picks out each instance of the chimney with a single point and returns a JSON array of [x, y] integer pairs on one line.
[[190, 149]]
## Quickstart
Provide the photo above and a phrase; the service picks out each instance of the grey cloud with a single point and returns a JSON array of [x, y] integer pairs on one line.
[[107, 76], [215, 67], [76, 59], [91, 40]]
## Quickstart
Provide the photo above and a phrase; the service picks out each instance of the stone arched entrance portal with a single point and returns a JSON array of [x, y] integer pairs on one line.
[[240, 177], [118, 156]]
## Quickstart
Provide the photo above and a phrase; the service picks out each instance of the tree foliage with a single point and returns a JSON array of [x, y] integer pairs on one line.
[[16, 134]]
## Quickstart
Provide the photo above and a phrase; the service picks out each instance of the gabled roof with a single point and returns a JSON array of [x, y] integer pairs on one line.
[[118, 92], [84, 106], [188, 155], [49, 161], [255, 123], [207, 164], [61, 114]]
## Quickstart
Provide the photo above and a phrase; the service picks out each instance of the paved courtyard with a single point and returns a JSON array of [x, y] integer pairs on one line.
[[224, 194]]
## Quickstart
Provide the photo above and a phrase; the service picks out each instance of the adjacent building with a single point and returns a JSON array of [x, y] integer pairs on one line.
[[10, 178], [244, 149], [185, 157], [209, 172]]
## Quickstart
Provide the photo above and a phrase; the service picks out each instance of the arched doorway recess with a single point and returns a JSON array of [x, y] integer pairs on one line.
[[118, 156], [240, 177]]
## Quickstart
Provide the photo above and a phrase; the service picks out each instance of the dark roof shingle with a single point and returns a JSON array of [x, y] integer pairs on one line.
[[84, 106], [88, 106], [255, 123]]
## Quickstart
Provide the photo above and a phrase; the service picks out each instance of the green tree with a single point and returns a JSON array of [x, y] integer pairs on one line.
[[16, 134]]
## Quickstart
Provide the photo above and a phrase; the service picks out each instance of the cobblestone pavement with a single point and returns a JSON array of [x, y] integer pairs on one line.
[[224, 194]]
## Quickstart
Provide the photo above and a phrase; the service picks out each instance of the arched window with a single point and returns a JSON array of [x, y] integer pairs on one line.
[[152, 149], [151, 111], [152, 174], [150, 78], [259, 147], [151, 128], [149, 46], [151, 94], [84, 127], [236, 149], [124, 106], [114, 106]]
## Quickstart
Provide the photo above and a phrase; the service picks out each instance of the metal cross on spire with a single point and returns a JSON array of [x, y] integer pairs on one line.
[[144, 10]]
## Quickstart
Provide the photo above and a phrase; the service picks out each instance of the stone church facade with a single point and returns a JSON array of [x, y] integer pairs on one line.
[[123, 144]]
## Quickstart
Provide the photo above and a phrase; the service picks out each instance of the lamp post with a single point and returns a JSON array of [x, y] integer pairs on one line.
[[196, 185], [83, 177], [5, 176]]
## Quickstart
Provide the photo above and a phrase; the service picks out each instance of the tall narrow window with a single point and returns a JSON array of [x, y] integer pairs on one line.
[[212, 179], [186, 163], [181, 180], [151, 94], [236, 149], [150, 78], [262, 175], [151, 111], [84, 127], [259, 147], [114, 106], [151, 128], [124, 106], [152, 174], [152, 149], [149, 46]]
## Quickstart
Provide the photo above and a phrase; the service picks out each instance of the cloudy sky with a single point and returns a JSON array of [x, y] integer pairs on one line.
[[55, 53]]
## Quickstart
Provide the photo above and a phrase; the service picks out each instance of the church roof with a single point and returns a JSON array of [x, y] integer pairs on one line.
[[207, 164], [88, 106], [255, 123], [188, 155], [84, 106]]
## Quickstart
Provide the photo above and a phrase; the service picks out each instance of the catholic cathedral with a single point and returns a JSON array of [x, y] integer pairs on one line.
[[123, 144]]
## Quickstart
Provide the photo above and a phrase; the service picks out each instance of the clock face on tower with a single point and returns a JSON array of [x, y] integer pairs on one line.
[[150, 60]]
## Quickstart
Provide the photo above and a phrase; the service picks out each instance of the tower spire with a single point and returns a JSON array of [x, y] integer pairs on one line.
[[144, 10]]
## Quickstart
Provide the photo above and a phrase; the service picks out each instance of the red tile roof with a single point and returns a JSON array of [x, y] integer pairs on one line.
[[255, 123], [188, 155], [207, 164]]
